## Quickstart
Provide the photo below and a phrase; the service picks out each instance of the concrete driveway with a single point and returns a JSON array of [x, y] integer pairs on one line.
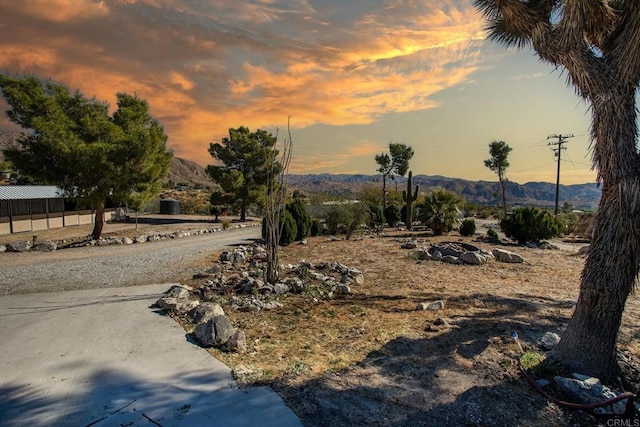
[[102, 357]]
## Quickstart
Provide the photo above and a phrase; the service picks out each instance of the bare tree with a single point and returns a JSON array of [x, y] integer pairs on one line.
[[275, 198]]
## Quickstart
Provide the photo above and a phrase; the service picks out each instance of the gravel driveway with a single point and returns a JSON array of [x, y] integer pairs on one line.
[[113, 266]]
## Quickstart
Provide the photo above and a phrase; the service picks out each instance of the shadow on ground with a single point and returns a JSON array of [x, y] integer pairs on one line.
[[458, 374]]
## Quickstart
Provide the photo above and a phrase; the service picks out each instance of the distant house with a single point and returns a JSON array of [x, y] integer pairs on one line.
[[26, 208]]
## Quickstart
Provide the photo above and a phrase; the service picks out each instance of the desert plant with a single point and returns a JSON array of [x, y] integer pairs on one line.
[[287, 226], [439, 210], [376, 216], [316, 227], [226, 224], [337, 216], [492, 234], [468, 227], [392, 215], [300, 216], [530, 224], [408, 197], [396, 162]]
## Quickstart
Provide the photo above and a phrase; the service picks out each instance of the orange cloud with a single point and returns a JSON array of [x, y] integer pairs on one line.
[[204, 67]]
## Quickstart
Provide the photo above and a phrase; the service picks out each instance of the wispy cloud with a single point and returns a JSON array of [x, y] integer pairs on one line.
[[205, 66]]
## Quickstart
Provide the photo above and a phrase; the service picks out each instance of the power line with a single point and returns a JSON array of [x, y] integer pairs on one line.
[[562, 139]]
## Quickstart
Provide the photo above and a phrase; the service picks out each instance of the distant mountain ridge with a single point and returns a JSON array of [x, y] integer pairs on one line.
[[483, 192]]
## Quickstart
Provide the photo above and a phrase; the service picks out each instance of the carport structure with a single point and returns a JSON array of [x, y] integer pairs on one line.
[[36, 207]]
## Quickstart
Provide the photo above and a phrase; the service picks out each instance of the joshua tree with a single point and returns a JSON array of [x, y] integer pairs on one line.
[[408, 199], [397, 162], [597, 45], [498, 163]]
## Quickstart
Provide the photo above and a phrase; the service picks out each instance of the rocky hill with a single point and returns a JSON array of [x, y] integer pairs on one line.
[[185, 173], [483, 192]]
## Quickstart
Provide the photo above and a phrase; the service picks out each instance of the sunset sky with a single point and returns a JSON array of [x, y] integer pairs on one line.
[[353, 75]]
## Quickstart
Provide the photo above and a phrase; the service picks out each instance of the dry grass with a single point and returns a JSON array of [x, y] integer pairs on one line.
[[310, 337]]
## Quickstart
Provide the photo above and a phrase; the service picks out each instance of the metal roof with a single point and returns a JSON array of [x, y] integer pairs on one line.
[[26, 192]]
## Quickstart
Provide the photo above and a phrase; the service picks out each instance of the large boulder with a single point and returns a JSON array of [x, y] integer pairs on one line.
[[237, 342], [588, 390], [214, 332], [177, 300], [204, 312], [503, 255]]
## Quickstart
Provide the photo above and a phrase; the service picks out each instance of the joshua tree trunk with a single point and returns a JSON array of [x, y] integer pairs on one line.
[[99, 222], [611, 269], [504, 198]]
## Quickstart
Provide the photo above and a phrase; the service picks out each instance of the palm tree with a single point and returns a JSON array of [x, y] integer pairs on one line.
[[597, 43], [439, 210]]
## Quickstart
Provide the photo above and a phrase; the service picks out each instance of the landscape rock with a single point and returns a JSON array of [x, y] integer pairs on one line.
[[549, 340], [503, 255], [280, 288], [409, 245], [343, 289], [237, 342], [435, 305], [3, 249], [450, 259], [140, 239], [179, 306], [584, 250], [204, 312], [473, 258], [127, 241], [547, 245], [21, 246], [422, 255], [214, 332], [590, 390], [45, 246]]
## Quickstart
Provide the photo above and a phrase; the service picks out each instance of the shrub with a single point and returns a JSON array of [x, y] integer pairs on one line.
[[376, 216], [316, 228], [468, 227], [301, 217], [338, 217], [531, 225], [392, 214], [288, 228], [492, 234], [226, 224]]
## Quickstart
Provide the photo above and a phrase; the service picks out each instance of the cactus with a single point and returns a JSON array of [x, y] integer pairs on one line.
[[408, 199]]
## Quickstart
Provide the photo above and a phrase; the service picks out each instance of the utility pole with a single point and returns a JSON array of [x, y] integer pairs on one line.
[[562, 139]]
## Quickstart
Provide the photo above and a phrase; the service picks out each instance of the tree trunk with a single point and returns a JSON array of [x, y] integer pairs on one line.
[[243, 212], [588, 345], [99, 222], [384, 192], [504, 199]]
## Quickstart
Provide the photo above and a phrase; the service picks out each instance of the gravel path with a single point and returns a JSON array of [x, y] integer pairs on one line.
[[113, 266]]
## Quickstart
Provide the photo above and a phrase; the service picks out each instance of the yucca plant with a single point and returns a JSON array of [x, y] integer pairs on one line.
[[439, 211], [595, 43]]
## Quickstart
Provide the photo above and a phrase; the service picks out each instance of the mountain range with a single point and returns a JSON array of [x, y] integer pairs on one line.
[[483, 192], [187, 174]]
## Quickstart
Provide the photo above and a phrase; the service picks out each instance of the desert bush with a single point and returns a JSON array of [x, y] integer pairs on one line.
[[468, 227], [492, 234], [301, 217], [316, 228], [376, 216], [531, 225], [578, 223], [439, 210], [226, 224], [338, 217], [287, 226], [392, 215]]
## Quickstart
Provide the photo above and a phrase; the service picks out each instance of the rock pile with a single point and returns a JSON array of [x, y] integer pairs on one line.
[[48, 245], [463, 253], [237, 279]]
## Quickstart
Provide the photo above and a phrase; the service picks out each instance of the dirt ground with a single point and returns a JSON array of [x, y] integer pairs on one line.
[[370, 358]]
